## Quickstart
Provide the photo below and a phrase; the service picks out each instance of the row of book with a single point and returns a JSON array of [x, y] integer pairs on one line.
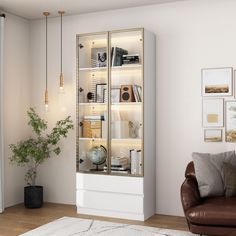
[[130, 59], [137, 91]]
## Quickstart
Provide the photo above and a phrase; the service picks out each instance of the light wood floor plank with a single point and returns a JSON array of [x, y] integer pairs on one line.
[[17, 219]]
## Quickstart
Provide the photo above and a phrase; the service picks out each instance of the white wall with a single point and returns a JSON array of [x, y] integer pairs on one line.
[[16, 100], [190, 35]]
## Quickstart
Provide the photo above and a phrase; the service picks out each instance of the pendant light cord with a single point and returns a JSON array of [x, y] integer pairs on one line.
[[61, 42], [46, 53]]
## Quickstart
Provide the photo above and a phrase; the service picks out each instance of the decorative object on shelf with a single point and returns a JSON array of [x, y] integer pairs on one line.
[[90, 96], [100, 92], [99, 57], [136, 161], [97, 155], [115, 95], [46, 14], [213, 112], [134, 127], [217, 82], [34, 151], [92, 126], [213, 135], [230, 128], [127, 94], [61, 13]]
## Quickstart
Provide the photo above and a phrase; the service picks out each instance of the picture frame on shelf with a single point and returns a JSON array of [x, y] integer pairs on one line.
[[213, 135], [100, 92], [213, 112], [99, 57], [115, 95], [230, 127], [217, 82]]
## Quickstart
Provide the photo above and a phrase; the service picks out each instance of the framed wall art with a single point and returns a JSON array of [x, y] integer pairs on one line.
[[213, 135], [217, 82], [230, 128], [213, 112], [115, 95]]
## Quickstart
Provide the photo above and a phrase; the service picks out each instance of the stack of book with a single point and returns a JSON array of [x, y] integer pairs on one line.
[[136, 161], [137, 90], [119, 165], [130, 59], [117, 56], [92, 126]]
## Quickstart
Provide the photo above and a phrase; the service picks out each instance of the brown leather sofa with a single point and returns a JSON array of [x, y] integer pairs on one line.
[[215, 216]]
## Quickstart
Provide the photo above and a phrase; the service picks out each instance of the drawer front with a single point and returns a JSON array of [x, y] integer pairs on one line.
[[106, 183], [110, 201]]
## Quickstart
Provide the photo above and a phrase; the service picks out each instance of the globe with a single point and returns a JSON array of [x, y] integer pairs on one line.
[[97, 155]]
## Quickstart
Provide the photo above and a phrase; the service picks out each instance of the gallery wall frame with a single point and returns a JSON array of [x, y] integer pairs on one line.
[[230, 116], [213, 113], [213, 135], [217, 82]]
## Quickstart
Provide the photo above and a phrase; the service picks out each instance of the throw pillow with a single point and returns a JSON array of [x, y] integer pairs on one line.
[[209, 171], [229, 177]]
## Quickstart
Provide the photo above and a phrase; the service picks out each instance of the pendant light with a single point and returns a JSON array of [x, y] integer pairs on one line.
[[61, 13], [46, 14]]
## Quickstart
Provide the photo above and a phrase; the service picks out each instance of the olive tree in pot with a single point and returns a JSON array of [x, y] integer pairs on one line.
[[35, 150]]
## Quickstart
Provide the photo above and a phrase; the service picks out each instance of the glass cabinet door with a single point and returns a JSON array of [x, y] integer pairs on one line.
[[92, 103], [126, 102]]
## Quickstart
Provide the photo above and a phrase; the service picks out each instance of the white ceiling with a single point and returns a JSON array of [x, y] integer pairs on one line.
[[32, 9]]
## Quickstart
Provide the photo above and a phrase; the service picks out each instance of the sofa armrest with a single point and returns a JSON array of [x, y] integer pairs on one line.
[[190, 195]]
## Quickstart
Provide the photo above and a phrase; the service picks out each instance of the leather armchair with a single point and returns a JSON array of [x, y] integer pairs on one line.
[[215, 216]]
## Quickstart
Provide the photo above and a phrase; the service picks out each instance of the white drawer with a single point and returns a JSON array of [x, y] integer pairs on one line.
[[110, 201], [108, 183]]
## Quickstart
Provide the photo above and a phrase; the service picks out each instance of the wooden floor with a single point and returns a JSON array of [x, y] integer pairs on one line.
[[16, 220]]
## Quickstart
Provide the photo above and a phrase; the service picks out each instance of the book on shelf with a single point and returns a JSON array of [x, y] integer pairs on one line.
[[119, 168], [137, 90], [93, 117], [117, 56], [136, 161], [118, 161]]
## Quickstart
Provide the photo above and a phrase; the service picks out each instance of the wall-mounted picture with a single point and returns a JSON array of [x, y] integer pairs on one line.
[[100, 92], [99, 57], [213, 135], [213, 112], [230, 129], [217, 82], [115, 95]]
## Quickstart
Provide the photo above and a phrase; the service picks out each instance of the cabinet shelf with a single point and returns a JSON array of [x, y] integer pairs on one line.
[[113, 104], [113, 140], [124, 67]]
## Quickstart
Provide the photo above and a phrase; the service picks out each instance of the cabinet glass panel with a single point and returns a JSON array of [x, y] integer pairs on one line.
[[92, 107], [126, 102]]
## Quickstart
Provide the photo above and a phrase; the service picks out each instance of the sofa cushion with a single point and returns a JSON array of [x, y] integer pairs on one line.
[[209, 172], [229, 177], [219, 211]]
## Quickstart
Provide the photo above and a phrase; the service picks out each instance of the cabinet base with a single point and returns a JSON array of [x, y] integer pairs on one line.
[[111, 214]]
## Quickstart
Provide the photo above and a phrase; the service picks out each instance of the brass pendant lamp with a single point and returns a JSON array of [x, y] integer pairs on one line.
[[61, 13], [46, 14]]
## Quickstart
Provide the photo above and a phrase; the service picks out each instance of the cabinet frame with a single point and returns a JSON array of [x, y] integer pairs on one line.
[[108, 105]]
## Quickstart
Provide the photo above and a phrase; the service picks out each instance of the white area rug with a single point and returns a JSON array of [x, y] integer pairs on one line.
[[68, 226]]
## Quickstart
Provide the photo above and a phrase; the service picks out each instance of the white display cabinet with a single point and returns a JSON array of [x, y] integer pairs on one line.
[[116, 124]]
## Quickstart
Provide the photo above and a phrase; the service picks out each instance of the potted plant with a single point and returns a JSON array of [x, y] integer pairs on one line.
[[34, 151]]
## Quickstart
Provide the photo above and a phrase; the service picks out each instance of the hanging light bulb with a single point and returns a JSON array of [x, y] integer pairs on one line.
[[46, 14], [61, 13]]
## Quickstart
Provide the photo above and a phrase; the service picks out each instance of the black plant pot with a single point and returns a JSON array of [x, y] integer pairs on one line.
[[33, 196]]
